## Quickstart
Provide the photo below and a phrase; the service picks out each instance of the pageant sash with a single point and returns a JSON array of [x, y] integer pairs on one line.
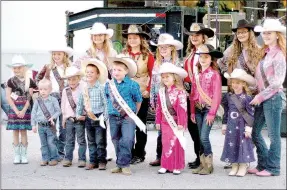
[[169, 118], [70, 99]]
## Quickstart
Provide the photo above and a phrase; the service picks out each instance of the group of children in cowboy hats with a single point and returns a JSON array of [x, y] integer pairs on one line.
[[109, 96]]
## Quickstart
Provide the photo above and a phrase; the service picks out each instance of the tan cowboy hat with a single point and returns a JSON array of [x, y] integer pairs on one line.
[[199, 28], [271, 25], [100, 28], [241, 75], [167, 39], [18, 61], [172, 68], [129, 62], [64, 48], [209, 49], [134, 29], [100, 65], [72, 71]]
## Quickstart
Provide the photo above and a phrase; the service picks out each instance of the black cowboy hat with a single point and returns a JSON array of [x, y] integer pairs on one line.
[[209, 49], [135, 29], [245, 24], [199, 28]]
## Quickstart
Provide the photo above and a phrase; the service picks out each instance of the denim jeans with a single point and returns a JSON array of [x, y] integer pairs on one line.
[[61, 140], [72, 130], [48, 144], [97, 142], [4, 103], [123, 135], [269, 113], [204, 130]]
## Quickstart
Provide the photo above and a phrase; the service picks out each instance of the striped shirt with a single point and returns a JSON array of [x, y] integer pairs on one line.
[[97, 99]]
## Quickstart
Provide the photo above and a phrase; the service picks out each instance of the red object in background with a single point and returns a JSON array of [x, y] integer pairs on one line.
[[160, 15]]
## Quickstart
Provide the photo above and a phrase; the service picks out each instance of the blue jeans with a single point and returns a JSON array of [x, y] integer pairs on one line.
[[48, 144], [269, 113], [204, 130], [123, 135], [97, 142], [61, 140], [4, 103], [73, 129]]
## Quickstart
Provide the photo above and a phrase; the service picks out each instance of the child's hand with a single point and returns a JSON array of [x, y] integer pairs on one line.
[[157, 126], [247, 134], [209, 120], [223, 129], [34, 129], [52, 121], [180, 127], [21, 114], [81, 118], [192, 118], [255, 101], [145, 94]]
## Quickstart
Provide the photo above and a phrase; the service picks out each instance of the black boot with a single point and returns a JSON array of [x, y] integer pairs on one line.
[[195, 164]]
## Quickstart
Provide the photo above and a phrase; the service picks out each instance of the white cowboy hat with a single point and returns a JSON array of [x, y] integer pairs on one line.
[[241, 75], [167, 39], [172, 68], [72, 71], [103, 75], [18, 61], [100, 28], [64, 48], [129, 62], [271, 25]]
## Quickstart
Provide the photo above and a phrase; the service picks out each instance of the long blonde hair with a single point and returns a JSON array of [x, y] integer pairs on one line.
[[107, 46], [144, 48], [66, 62], [178, 82], [159, 58], [252, 49], [190, 46], [281, 42]]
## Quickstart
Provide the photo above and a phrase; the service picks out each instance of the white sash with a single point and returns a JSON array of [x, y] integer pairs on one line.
[[178, 133], [125, 107]]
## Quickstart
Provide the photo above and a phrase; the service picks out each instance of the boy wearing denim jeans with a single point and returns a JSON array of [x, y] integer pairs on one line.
[[46, 110], [74, 127], [93, 100], [122, 127]]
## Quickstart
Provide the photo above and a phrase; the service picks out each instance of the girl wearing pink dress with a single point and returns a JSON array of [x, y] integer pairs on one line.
[[171, 117]]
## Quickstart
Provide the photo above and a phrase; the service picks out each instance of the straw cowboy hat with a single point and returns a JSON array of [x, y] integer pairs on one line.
[[199, 28], [271, 25], [64, 48], [167, 39], [241, 75], [129, 62], [245, 24], [172, 68], [100, 28], [18, 61], [134, 29], [71, 72], [103, 75], [209, 49]]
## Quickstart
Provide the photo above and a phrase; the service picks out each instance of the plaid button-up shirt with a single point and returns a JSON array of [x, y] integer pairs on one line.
[[97, 99], [129, 90]]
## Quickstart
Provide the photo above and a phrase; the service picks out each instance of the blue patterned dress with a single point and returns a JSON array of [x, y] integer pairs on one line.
[[237, 148]]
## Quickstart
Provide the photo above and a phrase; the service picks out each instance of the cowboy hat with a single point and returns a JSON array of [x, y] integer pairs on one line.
[[129, 62], [134, 29], [64, 48], [18, 61], [209, 49], [172, 68], [100, 28], [241, 75], [271, 25], [245, 24], [167, 39], [103, 75], [198, 28], [71, 72]]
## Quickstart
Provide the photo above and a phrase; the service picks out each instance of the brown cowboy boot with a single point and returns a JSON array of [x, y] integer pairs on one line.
[[201, 166]]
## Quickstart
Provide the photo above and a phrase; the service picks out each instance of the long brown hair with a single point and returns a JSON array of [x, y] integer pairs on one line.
[[190, 46], [252, 49], [159, 58], [144, 47], [213, 65]]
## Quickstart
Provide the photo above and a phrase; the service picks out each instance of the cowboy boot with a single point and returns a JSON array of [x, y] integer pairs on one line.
[[208, 167], [17, 157], [201, 165], [23, 154], [242, 170], [234, 169]]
